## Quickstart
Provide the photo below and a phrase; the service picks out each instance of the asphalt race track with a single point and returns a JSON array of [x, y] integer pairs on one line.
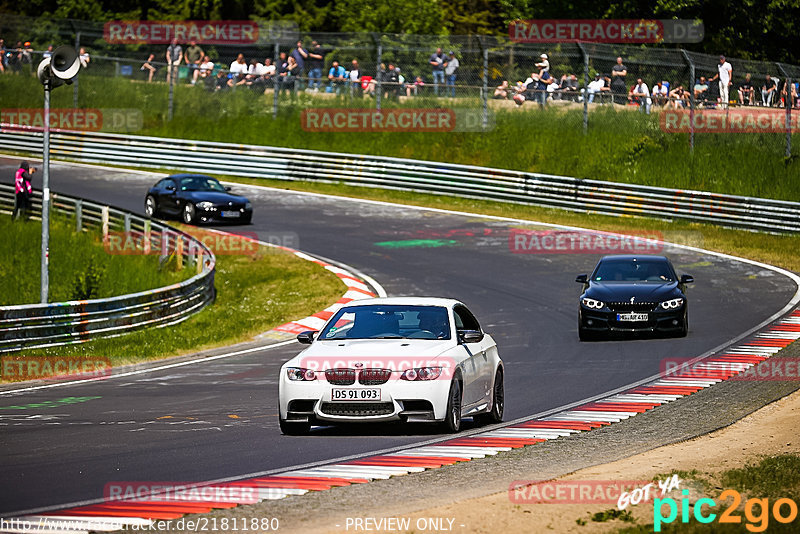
[[175, 424]]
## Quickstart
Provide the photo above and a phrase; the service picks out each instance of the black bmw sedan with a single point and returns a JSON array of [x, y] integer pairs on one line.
[[196, 199], [629, 293]]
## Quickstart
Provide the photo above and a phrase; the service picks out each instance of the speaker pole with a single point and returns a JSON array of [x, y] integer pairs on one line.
[[45, 261]]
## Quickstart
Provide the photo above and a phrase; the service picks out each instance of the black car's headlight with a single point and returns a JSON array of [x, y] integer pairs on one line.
[[300, 374], [672, 304], [247, 205], [592, 303], [205, 205]]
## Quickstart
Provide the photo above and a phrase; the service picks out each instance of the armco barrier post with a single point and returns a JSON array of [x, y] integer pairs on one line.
[[104, 219], [788, 88], [378, 80], [585, 88], [126, 218], [147, 236], [78, 215], [275, 81], [179, 251], [485, 88]]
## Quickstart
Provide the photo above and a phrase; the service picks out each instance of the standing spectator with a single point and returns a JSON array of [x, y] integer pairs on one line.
[[545, 80], [438, 63], [618, 87], [149, 68], [287, 75], [193, 57], [450, 72], [47, 53], [174, 57], [355, 78], [641, 95], [746, 91], [23, 190], [725, 75], [26, 57], [595, 86], [701, 90], [660, 94], [204, 71], [336, 77], [316, 62], [84, 58], [768, 91], [299, 54], [14, 56]]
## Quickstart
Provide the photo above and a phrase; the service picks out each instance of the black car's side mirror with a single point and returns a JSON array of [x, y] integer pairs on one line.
[[227, 188], [687, 279], [307, 337], [470, 336], [581, 278]]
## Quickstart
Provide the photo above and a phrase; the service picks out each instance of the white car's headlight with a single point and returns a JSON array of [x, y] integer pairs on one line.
[[594, 304], [421, 373], [672, 304], [205, 205], [300, 374]]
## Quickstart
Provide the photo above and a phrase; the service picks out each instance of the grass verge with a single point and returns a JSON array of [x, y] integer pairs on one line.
[[80, 268], [621, 145]]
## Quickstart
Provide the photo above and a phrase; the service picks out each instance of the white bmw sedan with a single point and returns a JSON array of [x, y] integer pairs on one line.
[[414, 359]]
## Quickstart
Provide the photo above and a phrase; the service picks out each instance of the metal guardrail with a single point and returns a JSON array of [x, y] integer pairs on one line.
[[61, 323], [575, 194]]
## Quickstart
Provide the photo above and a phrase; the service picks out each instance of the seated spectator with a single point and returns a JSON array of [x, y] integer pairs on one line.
[[149, 68], [552, 89], [640, 94], [269, 72], [746, 91], [204, 71], [336, 76], [595, 86], [239, 67], [679, 97], [222, 82], [701, 90], [414, 87], [391, 82], [84, 58], [501, 91], [288, 75], [660, 94], [768, 91], [569, 87]]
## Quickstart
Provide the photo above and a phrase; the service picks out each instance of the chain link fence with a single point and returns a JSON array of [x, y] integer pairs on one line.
[[477, 76]]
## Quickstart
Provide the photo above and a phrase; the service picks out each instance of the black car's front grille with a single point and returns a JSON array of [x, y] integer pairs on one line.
[[341, 377], [632, 306], [374, 377], [357, 409]]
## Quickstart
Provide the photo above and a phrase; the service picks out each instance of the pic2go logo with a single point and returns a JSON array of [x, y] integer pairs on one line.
[[757, 521]]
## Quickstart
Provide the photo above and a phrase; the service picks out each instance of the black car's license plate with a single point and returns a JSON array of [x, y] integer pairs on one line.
[[631, 317], [230, 214]]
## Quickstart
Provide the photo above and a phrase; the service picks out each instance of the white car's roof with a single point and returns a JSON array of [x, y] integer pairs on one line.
[[406, 301]]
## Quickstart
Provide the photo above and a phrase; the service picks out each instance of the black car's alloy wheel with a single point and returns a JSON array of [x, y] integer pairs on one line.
[[150, 206], [188, 213]]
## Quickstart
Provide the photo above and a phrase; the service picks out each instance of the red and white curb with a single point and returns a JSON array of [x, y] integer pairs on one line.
[[113, 515]]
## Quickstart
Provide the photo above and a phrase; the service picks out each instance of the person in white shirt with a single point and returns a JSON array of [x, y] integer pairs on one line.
[[660, 94], [206, 67], [595, 86], [239, 66], [725, 75], [641, 93]]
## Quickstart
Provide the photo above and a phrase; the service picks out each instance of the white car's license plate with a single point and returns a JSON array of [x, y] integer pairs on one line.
[[230, 214], [355, 394], [631, 317]]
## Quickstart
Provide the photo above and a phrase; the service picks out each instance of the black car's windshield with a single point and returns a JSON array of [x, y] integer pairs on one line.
[[388, 322], [201, 183], [637, 270]]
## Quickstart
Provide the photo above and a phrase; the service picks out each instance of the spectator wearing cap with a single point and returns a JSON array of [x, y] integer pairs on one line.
[[26, 55], [544, 65], [724, 75], [450, 72], [595, 86], [438, 62]]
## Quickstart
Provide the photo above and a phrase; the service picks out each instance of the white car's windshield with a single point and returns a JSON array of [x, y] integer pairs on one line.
[[633, 271], [388, 322]]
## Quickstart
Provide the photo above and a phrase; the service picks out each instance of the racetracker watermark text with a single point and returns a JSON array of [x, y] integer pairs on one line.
[[396, 120], [637, 31], [16, 368]]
